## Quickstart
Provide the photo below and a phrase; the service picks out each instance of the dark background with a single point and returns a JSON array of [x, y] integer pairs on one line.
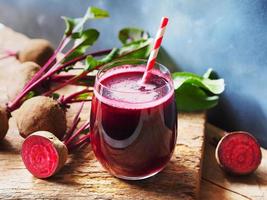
[[229, 36]]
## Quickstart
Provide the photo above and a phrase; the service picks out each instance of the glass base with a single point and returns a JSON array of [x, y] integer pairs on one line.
[[137, 178]]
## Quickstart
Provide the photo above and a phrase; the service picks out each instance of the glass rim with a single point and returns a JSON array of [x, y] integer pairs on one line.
[[105, 66]]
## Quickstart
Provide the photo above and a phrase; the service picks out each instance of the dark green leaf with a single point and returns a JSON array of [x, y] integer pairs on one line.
[[74, 25], [128, 35], [91, 62], [194, 92], [213, 86], [86, 39], [137, 49], [83, 41], [192, 98], [69, 23], [75, 54]]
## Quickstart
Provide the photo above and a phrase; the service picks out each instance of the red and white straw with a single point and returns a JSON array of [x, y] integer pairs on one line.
[[157, 42]]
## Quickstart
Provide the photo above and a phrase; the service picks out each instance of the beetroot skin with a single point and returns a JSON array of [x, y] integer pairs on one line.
[[41, 113], [3, 122], [238, 153], [26, 71], [43, 154], [37, 50]]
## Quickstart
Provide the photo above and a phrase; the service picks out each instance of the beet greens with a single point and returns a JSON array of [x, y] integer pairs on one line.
[[82, 40]]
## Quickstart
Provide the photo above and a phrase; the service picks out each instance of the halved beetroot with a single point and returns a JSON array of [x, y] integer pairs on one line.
[[238, 153], [43, 154]]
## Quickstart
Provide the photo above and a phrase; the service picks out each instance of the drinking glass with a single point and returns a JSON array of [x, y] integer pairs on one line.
[[133, 125]]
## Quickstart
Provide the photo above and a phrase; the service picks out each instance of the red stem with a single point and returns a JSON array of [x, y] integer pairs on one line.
[[86, 81], [8, 53], [67, 99], [55, 66], [78, 132], [36, 79], [84, 74], [80, 142], [75, 122], [79, 101], [5, 56], [68, 82], [47, 64], [16, 102]]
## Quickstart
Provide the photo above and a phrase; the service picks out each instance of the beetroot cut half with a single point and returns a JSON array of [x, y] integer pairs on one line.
[[238, 153], [43, 154]]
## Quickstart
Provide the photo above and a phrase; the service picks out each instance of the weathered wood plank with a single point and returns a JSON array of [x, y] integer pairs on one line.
[[83, 177]]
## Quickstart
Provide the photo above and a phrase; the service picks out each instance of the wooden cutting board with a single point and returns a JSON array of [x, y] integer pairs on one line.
[[83, 177]]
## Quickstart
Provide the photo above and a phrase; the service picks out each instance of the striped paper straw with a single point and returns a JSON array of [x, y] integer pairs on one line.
[[153, 55]]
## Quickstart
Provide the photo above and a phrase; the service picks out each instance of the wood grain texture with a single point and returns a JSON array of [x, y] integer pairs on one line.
[[218, 185], [84, 178]]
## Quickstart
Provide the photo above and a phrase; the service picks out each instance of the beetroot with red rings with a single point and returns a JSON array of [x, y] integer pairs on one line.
[[238, 153]]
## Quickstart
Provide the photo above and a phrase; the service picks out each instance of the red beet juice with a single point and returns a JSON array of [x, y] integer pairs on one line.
[[133, 125]]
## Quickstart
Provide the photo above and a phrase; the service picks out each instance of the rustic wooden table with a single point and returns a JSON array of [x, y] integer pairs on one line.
[[83, 177]]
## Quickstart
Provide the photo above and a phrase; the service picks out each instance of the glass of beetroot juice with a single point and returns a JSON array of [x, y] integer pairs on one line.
[[133, 124]]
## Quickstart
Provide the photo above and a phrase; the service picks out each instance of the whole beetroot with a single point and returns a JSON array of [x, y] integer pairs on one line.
[[41, 114], [36, 50]]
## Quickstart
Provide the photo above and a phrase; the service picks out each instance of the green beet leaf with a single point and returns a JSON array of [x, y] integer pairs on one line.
[[137, 49], [194, 92], [214, 86], [69, 23], [83, 41], [74, 25], [128, 35], [91, 62], [84, 97], [192, 98]]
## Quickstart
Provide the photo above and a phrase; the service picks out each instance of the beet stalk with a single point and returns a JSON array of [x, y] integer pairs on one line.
[[26, 71], [87, 80], [83, 76], [42, 76]]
